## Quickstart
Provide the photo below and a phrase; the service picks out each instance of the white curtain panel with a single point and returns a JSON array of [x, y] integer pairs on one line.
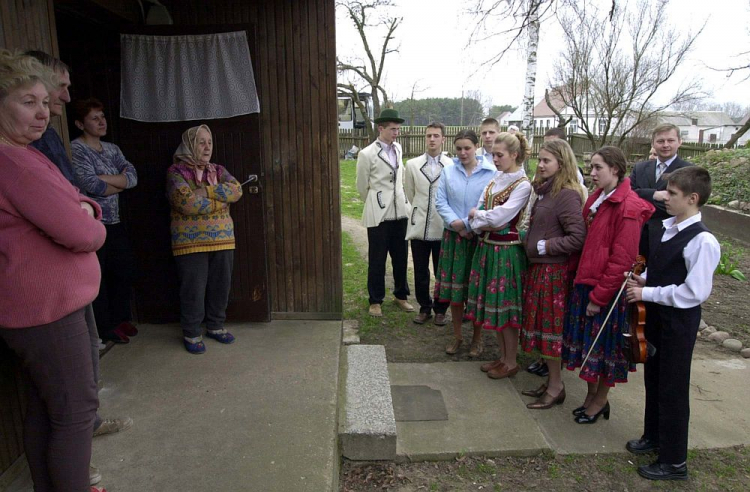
[[182, 78]]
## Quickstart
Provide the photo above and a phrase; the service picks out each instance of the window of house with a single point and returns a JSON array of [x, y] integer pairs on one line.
[[683, 134], [694, 121], [602, 125], [712, 138], [574, 126]]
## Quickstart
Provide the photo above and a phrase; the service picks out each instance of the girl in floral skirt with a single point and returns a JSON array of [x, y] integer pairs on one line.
[[614, 216], [556, 230], [499, 262], [459, 189]]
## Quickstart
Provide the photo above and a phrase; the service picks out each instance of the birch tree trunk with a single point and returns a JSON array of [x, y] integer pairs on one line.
[[528, 98]]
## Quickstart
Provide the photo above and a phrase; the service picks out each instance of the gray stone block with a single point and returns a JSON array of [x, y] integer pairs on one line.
[[369, 430]]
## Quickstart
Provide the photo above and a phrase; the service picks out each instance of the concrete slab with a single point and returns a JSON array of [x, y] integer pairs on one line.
[[485, 416], [256, 415], [369, 427], [719, 416]]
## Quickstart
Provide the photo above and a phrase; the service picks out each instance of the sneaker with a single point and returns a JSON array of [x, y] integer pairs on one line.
[[195, 347], [94, 476], [110, 426], [221, 336]]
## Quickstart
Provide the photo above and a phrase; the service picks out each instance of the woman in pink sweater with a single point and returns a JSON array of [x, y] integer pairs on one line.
[[49, 234]]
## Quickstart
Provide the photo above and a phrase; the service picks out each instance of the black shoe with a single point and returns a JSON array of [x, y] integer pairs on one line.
[[584, 418], [579, 411], [663, 471], [543, 370], [642, 446], [534, 366]]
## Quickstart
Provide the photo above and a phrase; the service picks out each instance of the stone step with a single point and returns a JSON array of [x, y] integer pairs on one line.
[[368, 424]]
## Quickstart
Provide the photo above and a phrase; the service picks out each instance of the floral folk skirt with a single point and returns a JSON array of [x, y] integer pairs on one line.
[[452, 282], [545, 297], [496, 286], [607, 360]]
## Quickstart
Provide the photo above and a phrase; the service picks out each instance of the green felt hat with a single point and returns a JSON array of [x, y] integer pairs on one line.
[[388, 115]]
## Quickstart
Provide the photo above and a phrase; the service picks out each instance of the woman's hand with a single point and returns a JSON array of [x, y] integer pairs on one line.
[[458, 225], [472, 213], [636, 281], [634, 294], [592, 309]]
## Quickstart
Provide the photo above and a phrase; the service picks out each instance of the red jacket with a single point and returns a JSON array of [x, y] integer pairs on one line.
[[612, 241]]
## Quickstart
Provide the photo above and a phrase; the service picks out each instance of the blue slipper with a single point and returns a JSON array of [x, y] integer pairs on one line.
[[195, 348], [225, 337]]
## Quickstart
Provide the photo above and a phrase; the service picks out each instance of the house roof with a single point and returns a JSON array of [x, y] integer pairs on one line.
[[542, 109], [705, 118], [516, 115], [502, 115]]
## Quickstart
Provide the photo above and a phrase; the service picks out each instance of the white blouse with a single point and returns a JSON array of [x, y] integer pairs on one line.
[[502, 214]]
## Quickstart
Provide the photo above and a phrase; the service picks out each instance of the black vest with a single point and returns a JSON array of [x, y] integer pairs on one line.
[[666, 265]]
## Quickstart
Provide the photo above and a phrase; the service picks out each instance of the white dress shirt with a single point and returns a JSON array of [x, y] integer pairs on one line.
[[701, 255], [390, 151]]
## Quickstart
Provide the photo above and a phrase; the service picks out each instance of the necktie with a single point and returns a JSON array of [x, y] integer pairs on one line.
[[660, 168]]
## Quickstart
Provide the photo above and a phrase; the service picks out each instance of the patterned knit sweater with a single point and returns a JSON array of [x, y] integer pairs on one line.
[[201, 224]]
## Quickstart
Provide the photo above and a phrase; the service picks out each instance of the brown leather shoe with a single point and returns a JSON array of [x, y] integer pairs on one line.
[[488, 366], [535, 393], [421, 318], [452, 348], [477, 347], [547, 401], [440, 320], [375, 310], [502, 372]]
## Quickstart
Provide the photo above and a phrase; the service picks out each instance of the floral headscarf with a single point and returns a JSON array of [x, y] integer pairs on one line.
[[186, 154]]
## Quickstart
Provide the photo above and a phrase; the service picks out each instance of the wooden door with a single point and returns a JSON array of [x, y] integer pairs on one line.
[[237, 146]]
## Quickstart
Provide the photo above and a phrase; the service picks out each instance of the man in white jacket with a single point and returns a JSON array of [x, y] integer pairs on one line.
[[380, 183], [425, 229]]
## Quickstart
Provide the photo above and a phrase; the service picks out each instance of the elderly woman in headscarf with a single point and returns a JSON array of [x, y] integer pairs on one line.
[[202, 232]]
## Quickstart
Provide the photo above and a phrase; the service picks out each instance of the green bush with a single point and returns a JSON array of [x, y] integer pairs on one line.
[[730, 174]]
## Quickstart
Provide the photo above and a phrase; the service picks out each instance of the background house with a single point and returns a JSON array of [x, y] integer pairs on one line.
[[704, 126]]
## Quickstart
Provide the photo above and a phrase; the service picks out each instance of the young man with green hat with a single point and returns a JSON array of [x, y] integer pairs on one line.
[[380, 183]]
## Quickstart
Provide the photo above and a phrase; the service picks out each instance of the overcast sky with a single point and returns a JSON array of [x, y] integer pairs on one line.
[[433, 51]]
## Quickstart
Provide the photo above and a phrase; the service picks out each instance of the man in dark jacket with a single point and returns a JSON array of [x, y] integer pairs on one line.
[[649, 178]]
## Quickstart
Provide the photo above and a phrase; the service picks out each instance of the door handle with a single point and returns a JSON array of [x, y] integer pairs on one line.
[[251, 178]]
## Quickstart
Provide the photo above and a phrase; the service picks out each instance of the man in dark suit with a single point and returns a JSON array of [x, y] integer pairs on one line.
[[648, 178]]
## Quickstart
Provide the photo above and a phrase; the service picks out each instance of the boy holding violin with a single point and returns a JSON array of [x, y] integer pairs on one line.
[[680, 266]]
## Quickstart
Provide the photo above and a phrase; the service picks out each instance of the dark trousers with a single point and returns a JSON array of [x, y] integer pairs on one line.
[[387, 238], [112, 305], [420, 255], [62, 401], [205, 281], [667, 378], [94, 339]]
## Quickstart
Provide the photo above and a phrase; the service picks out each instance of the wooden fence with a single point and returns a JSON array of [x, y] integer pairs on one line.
[[413, 143]]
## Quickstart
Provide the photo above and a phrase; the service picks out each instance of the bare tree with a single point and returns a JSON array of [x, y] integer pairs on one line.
[[612, 89], [562, 121], [736, 136], [366, 74]]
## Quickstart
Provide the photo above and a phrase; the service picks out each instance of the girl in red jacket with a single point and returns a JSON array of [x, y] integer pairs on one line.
[[614, 216]]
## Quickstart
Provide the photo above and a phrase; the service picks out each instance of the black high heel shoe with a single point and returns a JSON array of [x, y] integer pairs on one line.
[[590, 419], [582, 409]]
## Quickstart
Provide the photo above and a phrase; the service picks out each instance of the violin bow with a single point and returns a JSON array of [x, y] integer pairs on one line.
[[601, 328]]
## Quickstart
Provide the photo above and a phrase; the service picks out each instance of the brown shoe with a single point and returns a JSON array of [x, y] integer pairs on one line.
[[452, 348], [440, 320], [547, 401], [535, 393], [404, 305], [488, 366], [421, 318], [477, 347], [502, 372], [376, 310]]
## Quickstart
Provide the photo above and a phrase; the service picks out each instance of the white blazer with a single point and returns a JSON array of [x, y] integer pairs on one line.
[[381, 186], [421, 190]]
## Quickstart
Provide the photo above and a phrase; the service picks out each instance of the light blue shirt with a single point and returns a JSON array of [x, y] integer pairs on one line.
[[459, 193]]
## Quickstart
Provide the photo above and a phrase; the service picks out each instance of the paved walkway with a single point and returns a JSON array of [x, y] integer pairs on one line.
[[258, 415], [489, 417]]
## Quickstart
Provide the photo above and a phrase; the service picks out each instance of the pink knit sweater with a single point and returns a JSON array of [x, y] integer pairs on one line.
[[48, 264]]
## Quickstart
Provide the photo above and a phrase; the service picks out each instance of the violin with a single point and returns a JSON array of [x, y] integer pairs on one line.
[[635, 343]]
